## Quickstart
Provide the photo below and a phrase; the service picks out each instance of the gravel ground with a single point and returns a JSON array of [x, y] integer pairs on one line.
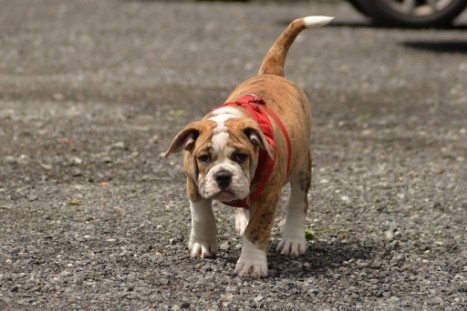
[[92, 217]]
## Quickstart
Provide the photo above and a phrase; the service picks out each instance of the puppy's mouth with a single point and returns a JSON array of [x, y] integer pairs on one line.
[[225, 196]]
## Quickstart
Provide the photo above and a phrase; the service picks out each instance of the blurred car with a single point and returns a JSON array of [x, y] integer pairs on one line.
[[411, 13]]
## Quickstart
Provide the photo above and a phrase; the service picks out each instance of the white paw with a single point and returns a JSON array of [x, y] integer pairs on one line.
[[292, 246], [252, 261], [202, 249], [254, 267]]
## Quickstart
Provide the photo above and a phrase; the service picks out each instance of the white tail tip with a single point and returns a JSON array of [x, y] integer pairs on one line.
[[316, 21]]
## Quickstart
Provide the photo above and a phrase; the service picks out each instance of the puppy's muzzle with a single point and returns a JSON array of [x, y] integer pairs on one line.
[[223, 179]]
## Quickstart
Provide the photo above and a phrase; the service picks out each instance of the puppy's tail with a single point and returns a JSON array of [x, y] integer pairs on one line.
[[273, 63]]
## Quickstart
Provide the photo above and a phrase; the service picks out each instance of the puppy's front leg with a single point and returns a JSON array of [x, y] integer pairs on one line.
[[253, 259], [202, 241], [203, 230]]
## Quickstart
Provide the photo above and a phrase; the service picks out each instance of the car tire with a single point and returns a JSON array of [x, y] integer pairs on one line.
[[382, 13]]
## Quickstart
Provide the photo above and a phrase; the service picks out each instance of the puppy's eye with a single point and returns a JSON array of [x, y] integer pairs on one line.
[[204, 158], [240, 157]]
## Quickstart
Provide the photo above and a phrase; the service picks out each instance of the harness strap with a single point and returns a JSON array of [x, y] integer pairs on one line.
[[256, 107]]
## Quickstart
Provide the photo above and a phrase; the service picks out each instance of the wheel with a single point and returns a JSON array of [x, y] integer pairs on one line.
[[411, 13]]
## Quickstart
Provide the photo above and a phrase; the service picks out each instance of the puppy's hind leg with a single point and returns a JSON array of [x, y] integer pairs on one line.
[[293, 239], [242, 218]]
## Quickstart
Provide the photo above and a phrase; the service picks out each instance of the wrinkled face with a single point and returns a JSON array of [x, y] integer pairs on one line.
[[225, 158], [221, 153]]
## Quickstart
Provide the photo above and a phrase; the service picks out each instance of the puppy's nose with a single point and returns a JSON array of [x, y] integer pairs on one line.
[[223, 179]]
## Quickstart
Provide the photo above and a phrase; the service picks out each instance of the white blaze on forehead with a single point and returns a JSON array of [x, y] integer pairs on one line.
[[222, 114], [220, 133], [219, 141]]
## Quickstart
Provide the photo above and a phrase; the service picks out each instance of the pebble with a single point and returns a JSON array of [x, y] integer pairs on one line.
[[107, 160], [118, 146], [21, 160], [32, 197], [376, 264], [153, 140], [361, 264], [258, 298], [46, 166], [389, 235], [10, 160], [224, 246], [345, 198], [24, 159], [74, 161], [76, 173]]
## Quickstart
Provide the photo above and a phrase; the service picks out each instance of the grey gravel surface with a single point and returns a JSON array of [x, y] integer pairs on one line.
[[92, 217]]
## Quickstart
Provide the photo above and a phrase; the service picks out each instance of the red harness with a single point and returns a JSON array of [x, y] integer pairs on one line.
[[257, 108]]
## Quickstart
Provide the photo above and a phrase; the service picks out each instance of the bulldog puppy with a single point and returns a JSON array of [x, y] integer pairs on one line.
[[243, 152]]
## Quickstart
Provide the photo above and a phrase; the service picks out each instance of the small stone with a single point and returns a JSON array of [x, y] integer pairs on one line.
[[345, 198], [224, 246], [10, 160], [119, 145], [153, 140], [361, 264], [75, 161], [32, 197], [23, 159], [76, 173], [46, 167], [107, 160], [376, 264], [258, 298], [74, 201], [389, 235]]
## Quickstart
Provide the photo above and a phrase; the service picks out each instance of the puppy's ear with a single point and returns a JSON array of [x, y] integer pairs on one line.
[[257, 137], [185, 139]]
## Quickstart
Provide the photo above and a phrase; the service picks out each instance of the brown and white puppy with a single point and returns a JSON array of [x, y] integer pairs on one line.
[[221, 156]]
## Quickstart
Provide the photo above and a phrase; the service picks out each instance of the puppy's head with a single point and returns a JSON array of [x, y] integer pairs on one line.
[[221, 153]]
